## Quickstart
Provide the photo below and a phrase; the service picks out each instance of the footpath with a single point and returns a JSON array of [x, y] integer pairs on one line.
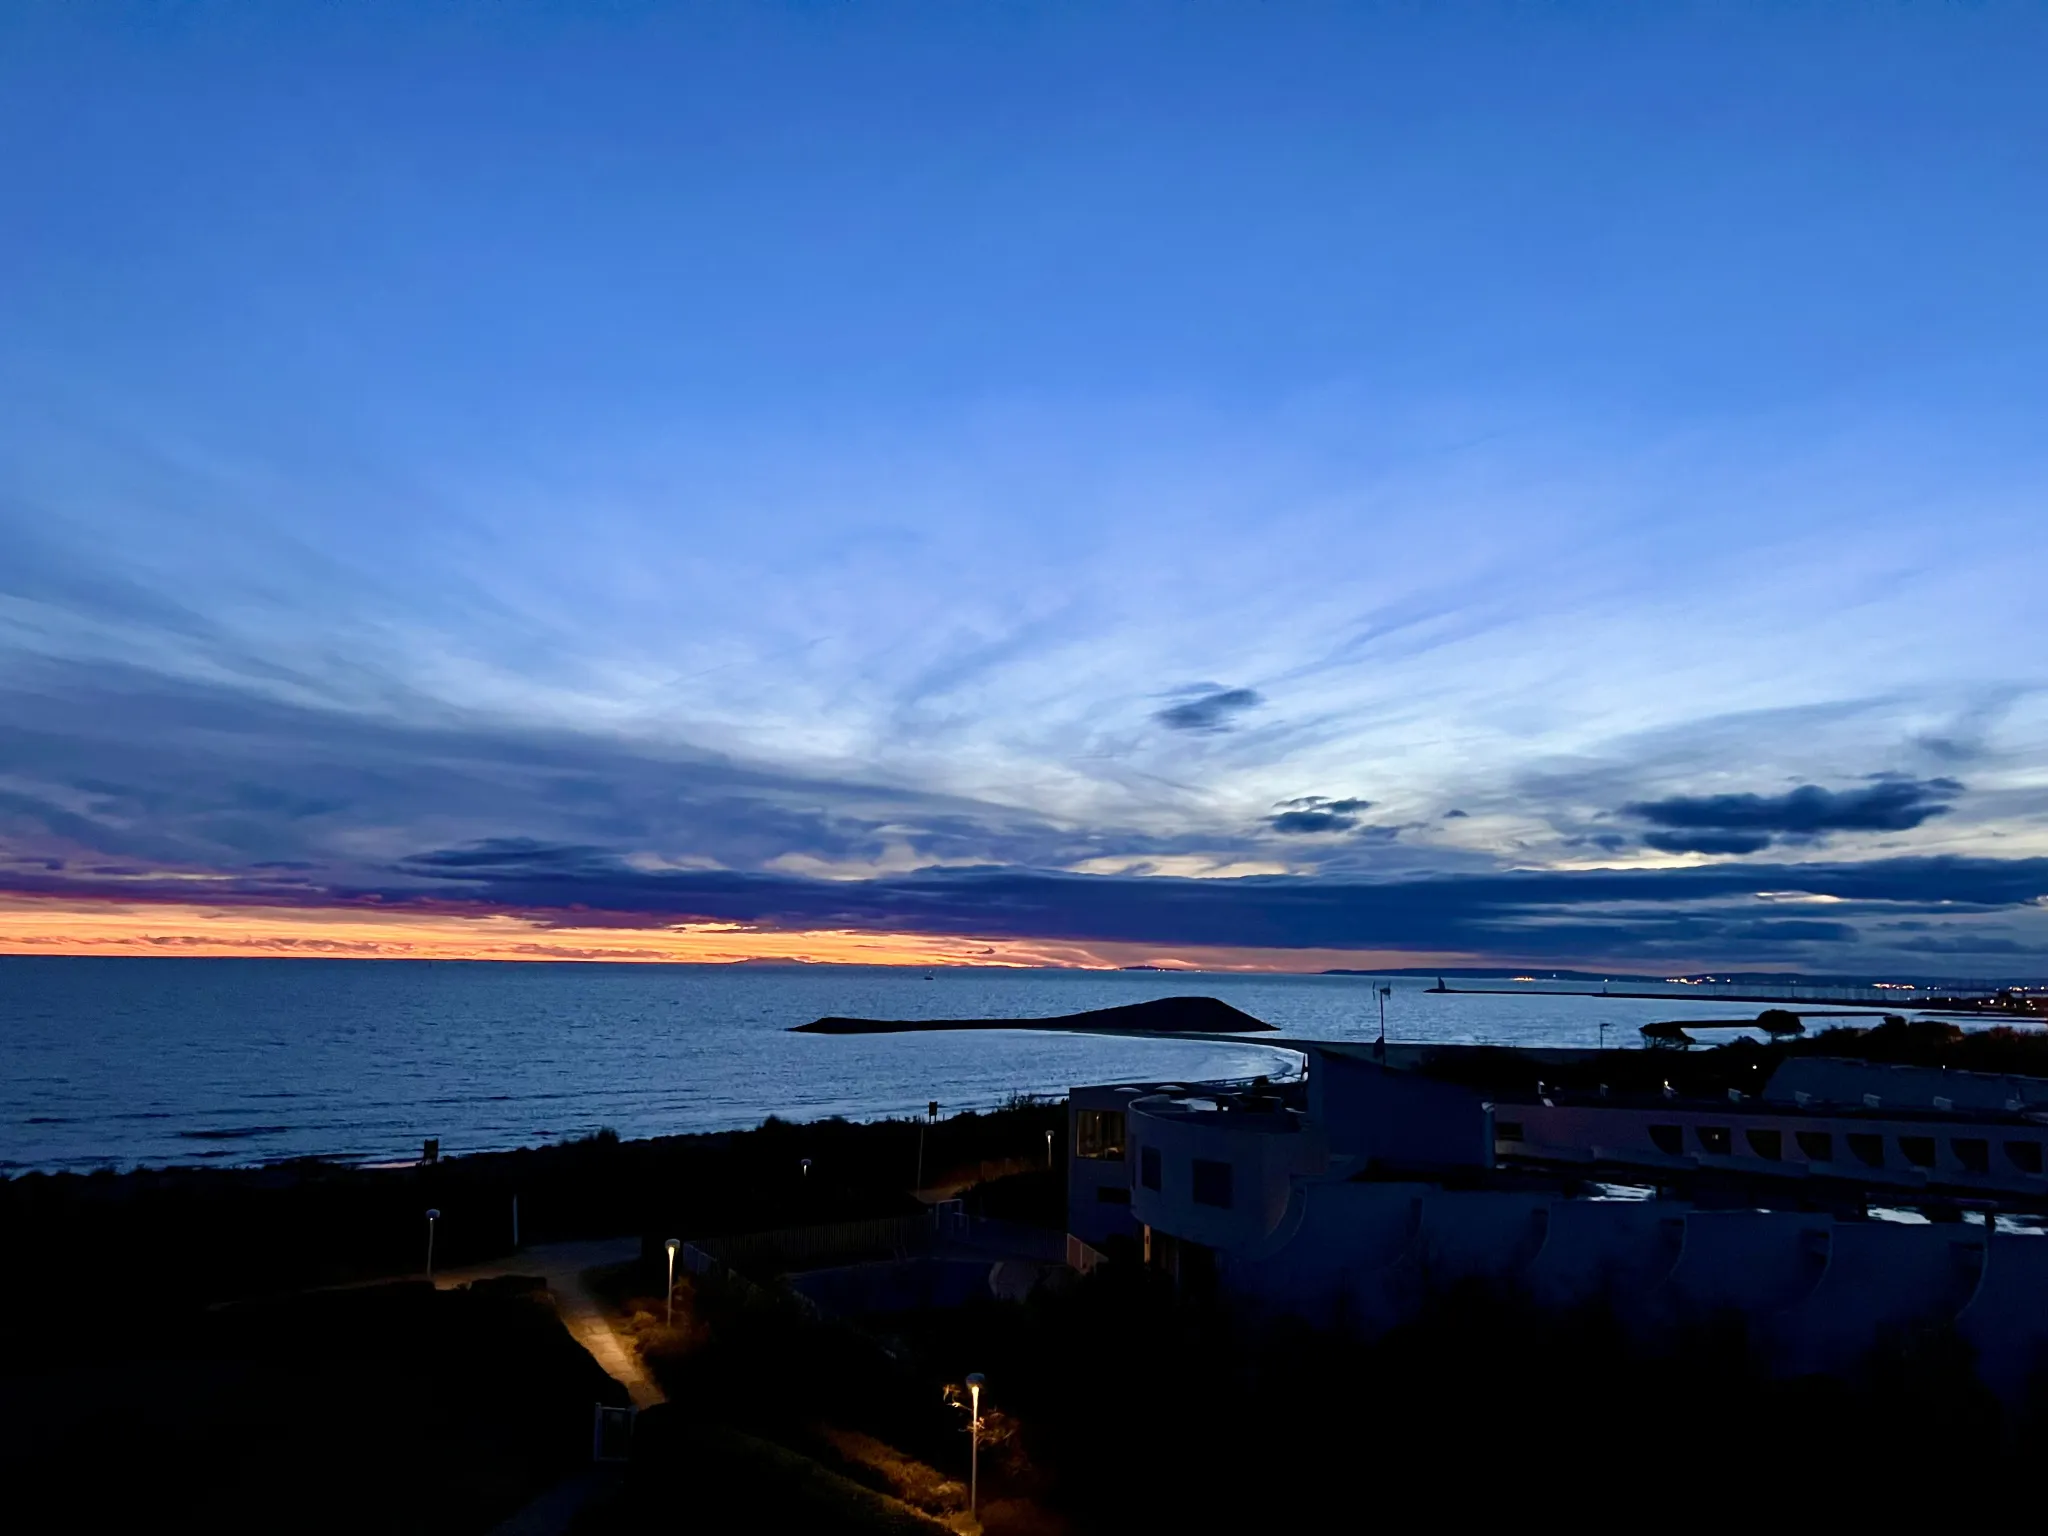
[[584, 1315], [562, 1266]]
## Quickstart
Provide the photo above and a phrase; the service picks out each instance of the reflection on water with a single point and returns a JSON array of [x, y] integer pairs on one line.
[[118, 1062]]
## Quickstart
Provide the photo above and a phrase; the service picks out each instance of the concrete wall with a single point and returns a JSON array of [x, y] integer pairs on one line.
[[1263, 1153], [1880, 1276], [1611, 1248], [2006, 1322], [1753, 1262], [1343, 1262], [1091, 1216], [1383, 1118], [1586, 1133], [1481, 1234]]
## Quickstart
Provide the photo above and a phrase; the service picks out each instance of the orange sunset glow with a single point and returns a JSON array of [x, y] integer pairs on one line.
[[36, 926]]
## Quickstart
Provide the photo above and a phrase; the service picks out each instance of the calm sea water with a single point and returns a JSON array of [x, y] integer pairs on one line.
[[115, 1063]]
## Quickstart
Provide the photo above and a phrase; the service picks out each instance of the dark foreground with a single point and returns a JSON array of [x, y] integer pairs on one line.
[[169, 1358]]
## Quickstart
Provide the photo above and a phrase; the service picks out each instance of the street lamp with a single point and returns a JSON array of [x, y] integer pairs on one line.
[[433, 1215], [931, 1115], [1048, 1149], [669, 1314], [974, 1384]]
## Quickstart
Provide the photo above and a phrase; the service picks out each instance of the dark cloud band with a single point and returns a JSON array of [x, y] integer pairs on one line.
[[1610, 912], [1736, 824]]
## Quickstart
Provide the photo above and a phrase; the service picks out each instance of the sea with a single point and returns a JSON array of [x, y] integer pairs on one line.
[[119, 1063]]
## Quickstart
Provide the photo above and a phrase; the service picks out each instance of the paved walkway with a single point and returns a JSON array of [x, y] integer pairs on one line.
[[584, 1315]]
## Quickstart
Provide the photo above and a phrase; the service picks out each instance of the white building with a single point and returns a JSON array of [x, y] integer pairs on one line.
[[1350, 1193]]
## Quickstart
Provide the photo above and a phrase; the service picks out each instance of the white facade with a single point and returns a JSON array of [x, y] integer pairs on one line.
[[1347, 1202]]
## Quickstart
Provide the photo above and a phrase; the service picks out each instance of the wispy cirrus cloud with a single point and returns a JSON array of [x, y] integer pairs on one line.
[[122, 787], [439, 572]]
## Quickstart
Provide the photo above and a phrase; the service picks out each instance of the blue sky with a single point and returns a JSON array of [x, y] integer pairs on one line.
[[809, 450]]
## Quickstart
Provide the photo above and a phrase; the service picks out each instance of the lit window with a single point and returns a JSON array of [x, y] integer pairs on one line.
[[1099, 1135], [1713, 1138]]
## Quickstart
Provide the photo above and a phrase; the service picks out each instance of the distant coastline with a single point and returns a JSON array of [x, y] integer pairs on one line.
[[1985, 1007]]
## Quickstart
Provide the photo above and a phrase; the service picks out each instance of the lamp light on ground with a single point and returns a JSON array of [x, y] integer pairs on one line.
[[433, 1216], [974, 1386], [668, 1317]]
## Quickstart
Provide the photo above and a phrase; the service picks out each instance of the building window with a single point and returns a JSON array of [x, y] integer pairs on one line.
[[1669, 1138], [1972, 1153], [1816, 1146], [1918, 1150], [1770, 1144], [1713, 1138], [1212, 1183], [2025, 1155], [1507, 1130], [1868, 1149], [1099, 1135], [1112, 1194], [1148, 1167]]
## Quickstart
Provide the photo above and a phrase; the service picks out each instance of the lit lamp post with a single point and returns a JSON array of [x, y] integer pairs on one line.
[[1048, 1149], [974, 1384], [433, 1215], [669, 1314]]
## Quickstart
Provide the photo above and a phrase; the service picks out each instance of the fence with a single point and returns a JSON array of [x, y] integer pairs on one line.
[[705, 1265], [1000, 1239]]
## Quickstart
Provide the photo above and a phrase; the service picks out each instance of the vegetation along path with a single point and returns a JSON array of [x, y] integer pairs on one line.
[[562, 1266]]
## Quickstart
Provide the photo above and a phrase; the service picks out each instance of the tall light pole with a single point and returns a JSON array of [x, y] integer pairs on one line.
[[668, 1317], [1048, 1149], [974, 1384], [433, 1215], [931, 1113]]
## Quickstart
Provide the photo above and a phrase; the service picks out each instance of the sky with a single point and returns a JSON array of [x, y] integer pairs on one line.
[[1214, 484]]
